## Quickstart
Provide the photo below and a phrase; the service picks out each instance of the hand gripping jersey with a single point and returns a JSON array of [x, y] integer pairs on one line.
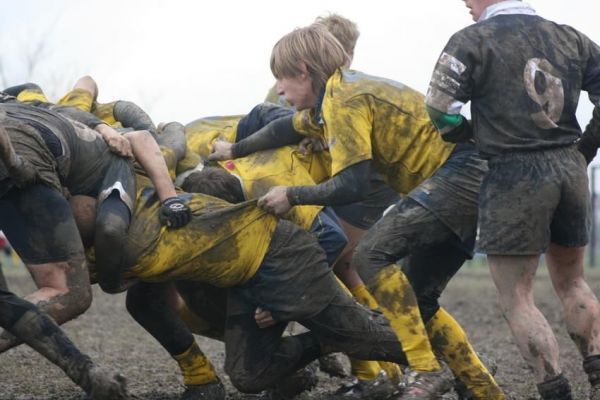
[[368, 118], [523, 75], [222, 245]]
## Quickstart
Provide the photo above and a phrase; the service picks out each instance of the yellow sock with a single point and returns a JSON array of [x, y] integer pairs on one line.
[[398, 303], [195, 367], [451, 342], [393, 371]]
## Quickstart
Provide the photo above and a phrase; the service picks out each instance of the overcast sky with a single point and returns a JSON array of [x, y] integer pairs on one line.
[[183, 60]]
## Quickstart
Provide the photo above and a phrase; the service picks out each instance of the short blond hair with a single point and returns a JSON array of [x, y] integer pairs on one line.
[[343, 29], [316, 47]]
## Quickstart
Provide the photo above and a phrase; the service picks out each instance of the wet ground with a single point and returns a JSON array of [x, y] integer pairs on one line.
[[112, 338]]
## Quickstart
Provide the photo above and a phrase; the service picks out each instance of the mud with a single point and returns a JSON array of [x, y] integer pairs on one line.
[[112, 338]]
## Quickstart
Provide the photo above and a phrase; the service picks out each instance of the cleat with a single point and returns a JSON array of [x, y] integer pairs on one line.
[[207, 391], [379, 388], [332, 366], [301, 381], [103, 385], [426, 385]]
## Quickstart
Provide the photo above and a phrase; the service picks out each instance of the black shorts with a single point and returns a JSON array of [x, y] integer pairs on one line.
[[363, 214], [292, 280], [38, 223], [531, 199]]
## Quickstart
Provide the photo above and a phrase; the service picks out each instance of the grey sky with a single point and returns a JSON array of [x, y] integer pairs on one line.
[[183, 60]]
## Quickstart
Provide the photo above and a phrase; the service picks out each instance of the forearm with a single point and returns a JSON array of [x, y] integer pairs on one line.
[[348, 186], [276, 134], [148, 154], [130, 115]]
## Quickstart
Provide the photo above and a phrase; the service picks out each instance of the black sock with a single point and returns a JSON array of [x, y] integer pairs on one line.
[[557, 388]]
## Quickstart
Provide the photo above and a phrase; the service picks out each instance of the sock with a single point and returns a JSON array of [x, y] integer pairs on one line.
[[450, 341], [369, 372], [398, 303], [195, 367]]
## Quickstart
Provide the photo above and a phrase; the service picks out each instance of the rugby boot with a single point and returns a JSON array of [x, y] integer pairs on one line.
[[380, 388], [207, 391], [332, 366], [300, 381], [591, 365], [101, 384], [557, 388], [426, 385]]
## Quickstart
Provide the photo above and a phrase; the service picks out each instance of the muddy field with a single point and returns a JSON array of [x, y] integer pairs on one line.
[[111, 337]]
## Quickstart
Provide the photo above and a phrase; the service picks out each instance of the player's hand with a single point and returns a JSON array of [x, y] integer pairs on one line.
[[174, 213], [263, 318], [275, 201], [119, 145], [221, 151], [311, 145]]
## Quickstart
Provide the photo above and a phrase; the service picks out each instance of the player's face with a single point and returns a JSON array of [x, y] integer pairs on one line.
[[297, 90], [476, 7]]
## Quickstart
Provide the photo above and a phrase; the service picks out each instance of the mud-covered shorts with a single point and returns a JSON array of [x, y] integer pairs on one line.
[[38, 222], [530, 199]]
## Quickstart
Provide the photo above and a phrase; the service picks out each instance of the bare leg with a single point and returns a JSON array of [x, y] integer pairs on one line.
[[513, 276], [582, 310]]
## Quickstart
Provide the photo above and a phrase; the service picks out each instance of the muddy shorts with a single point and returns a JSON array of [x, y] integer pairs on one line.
[[531, 199], [363, 214], [452, 193], [38, 223], [289, 282]]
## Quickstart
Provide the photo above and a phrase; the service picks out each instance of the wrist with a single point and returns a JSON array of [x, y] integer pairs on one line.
[[293, 195]]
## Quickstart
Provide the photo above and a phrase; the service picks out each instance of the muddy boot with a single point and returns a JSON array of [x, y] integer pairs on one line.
[[100, 384], [207, 391], [557, 388], [41, 333], [332, 366], [426, 385], [301, 381], [379, 388], [591, 365]]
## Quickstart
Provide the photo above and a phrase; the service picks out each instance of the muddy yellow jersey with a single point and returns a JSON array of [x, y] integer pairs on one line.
[[369, 118], [78, 98], [105, 112], [261, 171], [32, 94], [201, 133], [222, 245]]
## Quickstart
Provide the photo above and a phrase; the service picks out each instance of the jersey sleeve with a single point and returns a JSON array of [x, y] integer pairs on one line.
[[348, 133]]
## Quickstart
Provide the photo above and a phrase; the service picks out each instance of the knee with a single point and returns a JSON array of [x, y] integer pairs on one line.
[[79, 299], [87, 83]]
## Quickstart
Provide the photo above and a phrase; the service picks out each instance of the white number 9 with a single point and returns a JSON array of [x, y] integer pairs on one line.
[[552, 99]]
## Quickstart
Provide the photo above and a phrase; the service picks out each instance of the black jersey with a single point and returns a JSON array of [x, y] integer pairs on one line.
[[523, 75], [83, 161]]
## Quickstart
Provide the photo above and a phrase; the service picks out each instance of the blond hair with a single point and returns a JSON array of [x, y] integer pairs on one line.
[[343, 29], [313, 45]]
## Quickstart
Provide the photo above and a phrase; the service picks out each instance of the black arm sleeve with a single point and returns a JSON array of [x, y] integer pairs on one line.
[[112, 224], [172, 136], [276, 134], [15, 90], [349, 186], [130, 115], [590, 140], [76, 114], [460, 134]]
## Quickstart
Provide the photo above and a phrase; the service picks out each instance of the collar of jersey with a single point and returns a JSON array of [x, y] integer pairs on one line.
[[319, 107], [507, 7]]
